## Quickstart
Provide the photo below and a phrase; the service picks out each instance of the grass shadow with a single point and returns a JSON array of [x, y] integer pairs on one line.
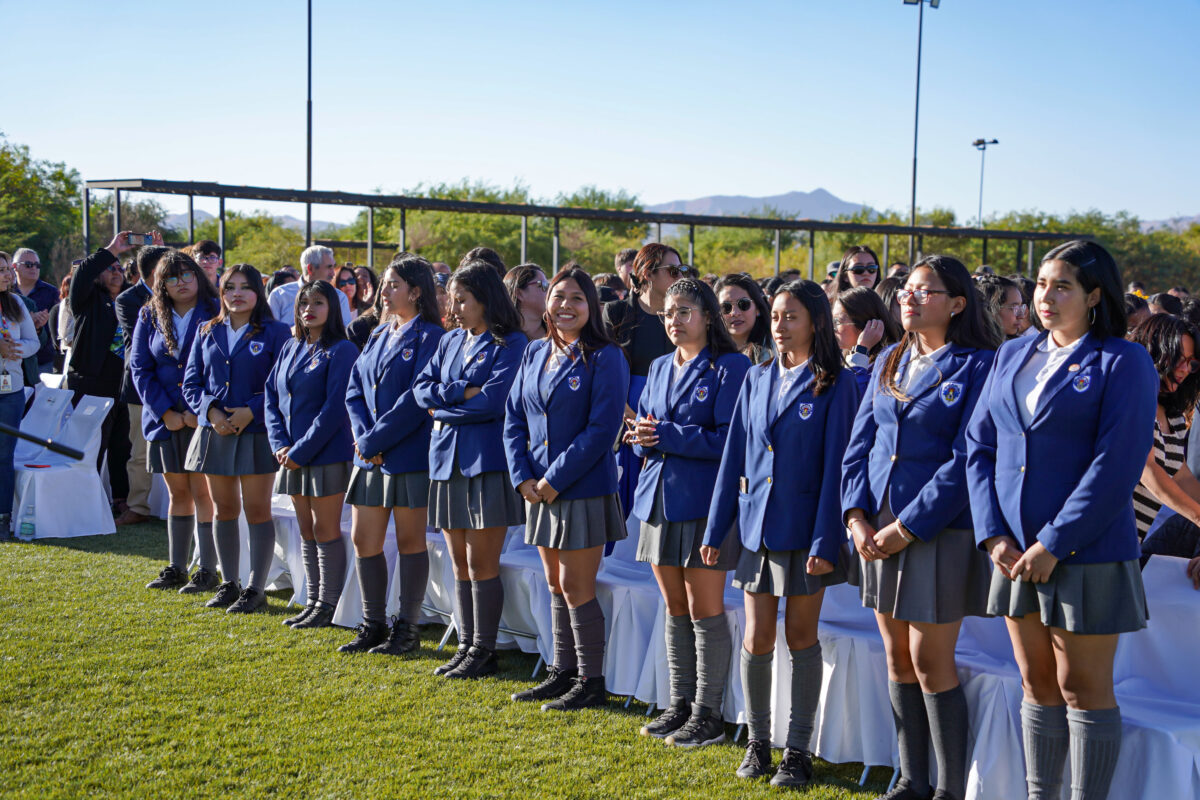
[[147, 540]]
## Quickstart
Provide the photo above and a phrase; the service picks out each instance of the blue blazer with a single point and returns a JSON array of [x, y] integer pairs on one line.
[[568, 438], [1067, 479], [157, 373], [796, 505], [384, 414], [468, 434], [306, 402], [915, 453], [693, 420], [230, 380]]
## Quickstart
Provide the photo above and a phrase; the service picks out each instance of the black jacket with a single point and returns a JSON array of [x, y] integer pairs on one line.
[[94, 368], [129, 303]]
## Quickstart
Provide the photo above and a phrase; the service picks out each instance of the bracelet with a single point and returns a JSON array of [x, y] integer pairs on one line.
[[850, 524], [905, 532]]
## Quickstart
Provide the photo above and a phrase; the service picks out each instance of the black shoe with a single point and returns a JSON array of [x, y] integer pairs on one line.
[[479, 663], [586, 693], [942, 794], [169, 578], [557, 684], [204, 580], [369, 635], [795, 770], [454, 661], [303, 615], [673, 717], [320, 617], [702, 729], [757, 761], [904, 791], [402, 638], [249, 601], [227, 594]]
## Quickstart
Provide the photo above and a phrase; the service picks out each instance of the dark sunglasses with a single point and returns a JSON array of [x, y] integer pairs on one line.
[[744, 304], [347, 282], [541, 284], [871, 270]]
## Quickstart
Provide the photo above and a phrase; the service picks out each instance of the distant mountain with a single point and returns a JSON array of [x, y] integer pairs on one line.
[[817, 204], [1177, 224], [179, 222]]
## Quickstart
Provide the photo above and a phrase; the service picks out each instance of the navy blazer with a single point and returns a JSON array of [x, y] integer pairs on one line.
[[568, 438], [384, 414], [693, 416], [157, 373], [468, 434], [915, 452], [796, 506], [1067, 479], [306, 402], [232, 380]]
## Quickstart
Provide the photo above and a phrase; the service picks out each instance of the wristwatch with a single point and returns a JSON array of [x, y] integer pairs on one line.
[[862, 350]]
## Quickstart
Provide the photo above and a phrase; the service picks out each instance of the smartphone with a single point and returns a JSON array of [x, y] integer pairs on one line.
[[139, 239]]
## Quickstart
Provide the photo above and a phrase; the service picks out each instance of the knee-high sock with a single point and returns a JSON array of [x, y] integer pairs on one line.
[[179, 536], [229, 549], [312, 569], [372, 584], [1095, 745], [713, 649], [912, 731], [564, 638], [807, 674], [331, 558], [756, 683], [466, 613], [948, 727], [262, 550], [587, 626], [206, 546], [681, 657], [1047, 740], [488, 598], [414, 580]]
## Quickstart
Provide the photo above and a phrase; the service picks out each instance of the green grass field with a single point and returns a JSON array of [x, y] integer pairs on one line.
[[110, 689]]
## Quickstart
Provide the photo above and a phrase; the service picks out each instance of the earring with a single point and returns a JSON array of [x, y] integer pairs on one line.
[[1092, 315]]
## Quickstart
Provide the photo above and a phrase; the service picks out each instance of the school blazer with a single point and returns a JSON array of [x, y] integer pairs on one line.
[[1067, 479], [306, 402], [693, 420], [214, 376], [568, 438], [915, 452], [157, 373], [384, 414], [468, 434], [790, 470]]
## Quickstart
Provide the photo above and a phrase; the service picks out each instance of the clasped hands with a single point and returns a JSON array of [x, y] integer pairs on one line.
[[537, 491], [230, 421]]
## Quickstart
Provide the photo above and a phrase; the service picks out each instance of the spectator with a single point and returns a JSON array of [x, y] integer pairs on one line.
[[863, 328], [439, 267], [886, 289], [66, 320], [1137, 310], [859, 267], [898, 269], [279, 278], [747, 316], [1003, 303], [487, 255], [208, 255], [609, 287], [368, 285], [1179, 291], [54, 324], [526, 285], [18, 340], [710, 278], [44, 296], [347, 286], [318, 264], [1136, 287], [440, 280], [1163, 303], [623, 264]]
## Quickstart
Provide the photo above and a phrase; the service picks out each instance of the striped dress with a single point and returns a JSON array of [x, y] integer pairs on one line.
[[1169, 453]]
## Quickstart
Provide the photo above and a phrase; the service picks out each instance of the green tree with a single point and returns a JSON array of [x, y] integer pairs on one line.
[[256, 239], [39, 204]]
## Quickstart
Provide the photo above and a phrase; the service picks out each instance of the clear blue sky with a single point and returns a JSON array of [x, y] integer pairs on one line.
[[1095, 102]]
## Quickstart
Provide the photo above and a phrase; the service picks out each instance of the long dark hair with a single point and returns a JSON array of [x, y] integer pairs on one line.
[[886, 289], [1162, 336], [717, 339], [372, 279], [594, 335], [335, 327], [417, 273], [970, 328], [518, 278], [825, 360], [862, 305], [843, 279], [260, 314], [10, 306], [481, 279], [173, 265], [649, 258], [992, 290], [760, 334], [1095, 268]]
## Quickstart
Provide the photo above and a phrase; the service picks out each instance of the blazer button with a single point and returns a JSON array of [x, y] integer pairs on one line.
[[769, 480], [181, 366], [894, 456], [226, 383], [770, 449], [1022, 469], [376, 386], [179, 384], [546, 443]]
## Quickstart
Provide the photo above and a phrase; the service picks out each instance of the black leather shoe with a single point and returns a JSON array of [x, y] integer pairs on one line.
[[402, 638], [942, 794], [169, 578], [795, 770], [586, 693], [369, 634], [670, 720], [249, 601], [320, 617], [304, 612], [203, 580], [227, 594], [757, 761], [557, 684], [479, 663], [904, 791], [702, 729], [454, 661]]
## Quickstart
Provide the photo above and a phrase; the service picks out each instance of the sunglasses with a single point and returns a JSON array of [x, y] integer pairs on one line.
[[184, 277], [347, 282], [28, 264], [743, 305], [871, 270], [1193, 366], [541, 284]]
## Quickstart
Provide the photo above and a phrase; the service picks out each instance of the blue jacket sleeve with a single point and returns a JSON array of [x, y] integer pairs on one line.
[[278, 334], [856, 480], [516, 427], [489, 403], [401, 420], [610, 387], [829, 532], [427, 388], [332, 415], [142, 370], [356, 404], [277, 426], [643, 410], [723, 509], [697, 441], [194, 385], [980, 437]]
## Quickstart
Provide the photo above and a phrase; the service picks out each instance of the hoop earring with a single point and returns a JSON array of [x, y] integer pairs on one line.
[[1092, 315]]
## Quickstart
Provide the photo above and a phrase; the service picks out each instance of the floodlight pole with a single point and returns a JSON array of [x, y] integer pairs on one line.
[[982, 145], [308, 149], [912, 212]]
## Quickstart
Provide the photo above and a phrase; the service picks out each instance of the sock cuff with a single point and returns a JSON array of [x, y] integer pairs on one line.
[[329, 545], [750, 658], [181, 519], [226, 526], [262, 528], [709, 624], [587, 612], [935, 697], [205, 525], [558, 602], [812, 653], [421, 556], [1095, 721], [375, 559]]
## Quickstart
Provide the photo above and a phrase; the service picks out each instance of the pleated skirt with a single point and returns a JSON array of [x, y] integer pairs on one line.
[[677, 544], [486, 500], [169, 455], [240, 454], [575, 524], [373, 487], [317, 481], [783, 573], [1079, 598]]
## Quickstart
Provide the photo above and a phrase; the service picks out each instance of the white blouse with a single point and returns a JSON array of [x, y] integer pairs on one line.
[[1031, 381]]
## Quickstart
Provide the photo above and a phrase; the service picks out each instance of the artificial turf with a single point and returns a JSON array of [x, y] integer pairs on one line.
[[110, 689]]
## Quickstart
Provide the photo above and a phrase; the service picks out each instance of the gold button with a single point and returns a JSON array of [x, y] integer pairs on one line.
[[181, 366], [893, 457], [768, 480], [770, 449], [546, 443], [226, 383], [179, 384], [1022, 469], [1072, 552], [376, 386]]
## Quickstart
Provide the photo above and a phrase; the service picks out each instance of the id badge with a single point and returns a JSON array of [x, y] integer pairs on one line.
[[5, 382], [744, 485]]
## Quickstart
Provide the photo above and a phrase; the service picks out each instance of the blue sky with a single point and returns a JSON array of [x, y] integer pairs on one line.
[[1095, 102]]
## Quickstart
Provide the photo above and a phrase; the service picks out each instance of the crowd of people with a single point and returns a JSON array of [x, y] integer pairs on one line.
[[953, 444]]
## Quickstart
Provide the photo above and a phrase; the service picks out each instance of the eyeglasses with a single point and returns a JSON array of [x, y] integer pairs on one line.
[[1019, 310], [681, 313], [860, 270], [28, 264], [347, 282], [673, 270], [841, 322], [541, 284], [114, 268], [208, 259], [743, 304], [918, 296], [183, 277]]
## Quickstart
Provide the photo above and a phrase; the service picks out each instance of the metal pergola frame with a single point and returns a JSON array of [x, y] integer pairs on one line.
[[222, 192]]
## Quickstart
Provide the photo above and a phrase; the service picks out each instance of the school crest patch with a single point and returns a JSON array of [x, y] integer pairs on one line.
[[951, 393], [256, 348], [806, 410], [701, 394], [407, 354], [1081, 383], [573, 382], [479, 358]]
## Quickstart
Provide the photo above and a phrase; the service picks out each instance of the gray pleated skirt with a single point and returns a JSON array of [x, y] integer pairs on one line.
[[319, 481], [677, 544], [575, 524], [486, 500], [1079, 598], [783, 573], [375, 488], [239, 454], [169, 455]]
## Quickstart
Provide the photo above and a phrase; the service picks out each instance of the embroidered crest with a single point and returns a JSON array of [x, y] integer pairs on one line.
[[256, 348], [1081, 383], [573, 382], [479, 358], [701, 394], [951, 393], [806, 410], [407, 354]]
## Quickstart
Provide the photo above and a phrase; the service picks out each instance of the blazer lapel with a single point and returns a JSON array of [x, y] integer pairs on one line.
[[455, 364], [695, 369], [565, 368], [800, 385], [1085, 352], [927, 380]]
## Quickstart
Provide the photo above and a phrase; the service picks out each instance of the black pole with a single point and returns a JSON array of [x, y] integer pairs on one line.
[[87, 227], [308, 151]]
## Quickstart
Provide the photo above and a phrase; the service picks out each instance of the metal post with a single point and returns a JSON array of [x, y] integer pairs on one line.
[[1029, 258], [1018, 260], [887, 261], [116, 211], [524, 240], [403, 231], [777, 252], [812, 255], [692, 245], [221, 224], [371, 237], [920, 247], [982, 157], [87, 226], [658, 231], [191, 220], [308, 141], [912, 215], [554, 257], [984, 261]]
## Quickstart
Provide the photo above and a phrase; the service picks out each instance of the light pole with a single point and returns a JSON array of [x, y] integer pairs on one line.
[[308, 141], [982, 145], [912, 215]]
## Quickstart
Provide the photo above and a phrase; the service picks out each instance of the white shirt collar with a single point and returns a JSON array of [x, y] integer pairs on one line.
[[793, 373], [404, 328]]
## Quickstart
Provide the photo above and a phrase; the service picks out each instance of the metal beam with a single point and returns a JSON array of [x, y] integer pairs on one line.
[[371, 238], [221, 224], [658, 232], [984, 259]]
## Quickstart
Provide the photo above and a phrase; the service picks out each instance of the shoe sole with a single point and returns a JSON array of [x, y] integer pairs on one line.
[[715, 740], [645, 731], [484, 674], [790, 783], [232, 610], [548, 707], [749, 777]]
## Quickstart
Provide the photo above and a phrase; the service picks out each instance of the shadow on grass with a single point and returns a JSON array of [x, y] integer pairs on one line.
[[147, 540]]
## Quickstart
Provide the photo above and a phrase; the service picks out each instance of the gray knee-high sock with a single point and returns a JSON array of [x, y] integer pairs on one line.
[[331, 558], [756, 683], [488, 598], [1046, 737], [206, 546], [372, 584], [948, 727], [808, 671], [681, 657], [414, 580], [312, 569], [466, 612], [912, 732], [564, 639], [713, 649], [262, 551], [587, 627], [179, 536], [1095, 745], [229, 549]]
